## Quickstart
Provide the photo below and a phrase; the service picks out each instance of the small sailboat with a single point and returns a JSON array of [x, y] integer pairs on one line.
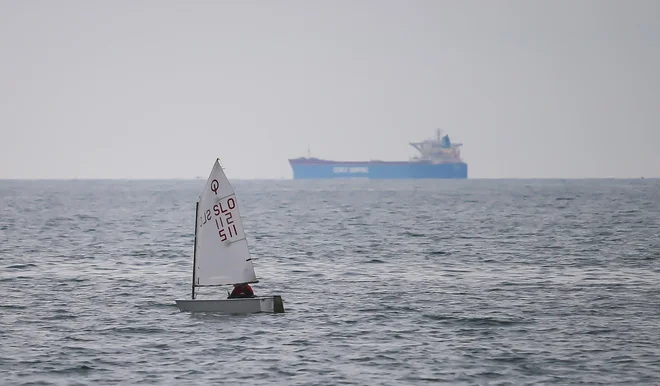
[[221, 255]]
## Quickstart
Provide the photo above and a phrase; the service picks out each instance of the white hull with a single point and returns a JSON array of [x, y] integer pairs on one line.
[[233, 306]]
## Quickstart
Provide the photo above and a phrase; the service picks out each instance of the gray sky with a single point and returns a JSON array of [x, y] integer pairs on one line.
[[159, 89]]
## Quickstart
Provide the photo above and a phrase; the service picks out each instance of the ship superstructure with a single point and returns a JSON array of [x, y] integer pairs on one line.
[[440, 150]]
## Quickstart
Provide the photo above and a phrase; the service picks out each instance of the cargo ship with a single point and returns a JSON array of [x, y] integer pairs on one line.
[[438, 158]]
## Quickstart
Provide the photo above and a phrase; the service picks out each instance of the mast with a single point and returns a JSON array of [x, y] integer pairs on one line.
[[195, 250]]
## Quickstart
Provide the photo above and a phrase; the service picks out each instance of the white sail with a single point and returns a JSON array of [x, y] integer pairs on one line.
[[221, 250]]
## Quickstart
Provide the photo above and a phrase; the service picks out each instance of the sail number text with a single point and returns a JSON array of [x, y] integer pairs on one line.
[[222, 218]]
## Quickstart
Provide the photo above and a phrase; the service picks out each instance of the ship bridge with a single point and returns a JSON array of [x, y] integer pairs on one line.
[[439, 150]]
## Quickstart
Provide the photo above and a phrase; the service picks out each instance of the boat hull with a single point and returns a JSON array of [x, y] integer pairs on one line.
[[306, 168], [272, 304]]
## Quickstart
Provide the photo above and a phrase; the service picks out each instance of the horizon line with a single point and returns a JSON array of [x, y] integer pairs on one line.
[[318, 179]]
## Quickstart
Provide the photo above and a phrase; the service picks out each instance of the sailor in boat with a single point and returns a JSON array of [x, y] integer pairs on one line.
[[242, 290]]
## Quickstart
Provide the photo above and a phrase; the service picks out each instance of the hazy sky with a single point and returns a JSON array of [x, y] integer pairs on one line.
[[159, 89]]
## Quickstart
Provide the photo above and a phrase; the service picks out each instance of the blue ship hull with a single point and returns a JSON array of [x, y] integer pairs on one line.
[[306, 168]]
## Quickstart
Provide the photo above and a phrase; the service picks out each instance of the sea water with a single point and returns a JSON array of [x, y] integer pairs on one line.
[[385, 283]]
